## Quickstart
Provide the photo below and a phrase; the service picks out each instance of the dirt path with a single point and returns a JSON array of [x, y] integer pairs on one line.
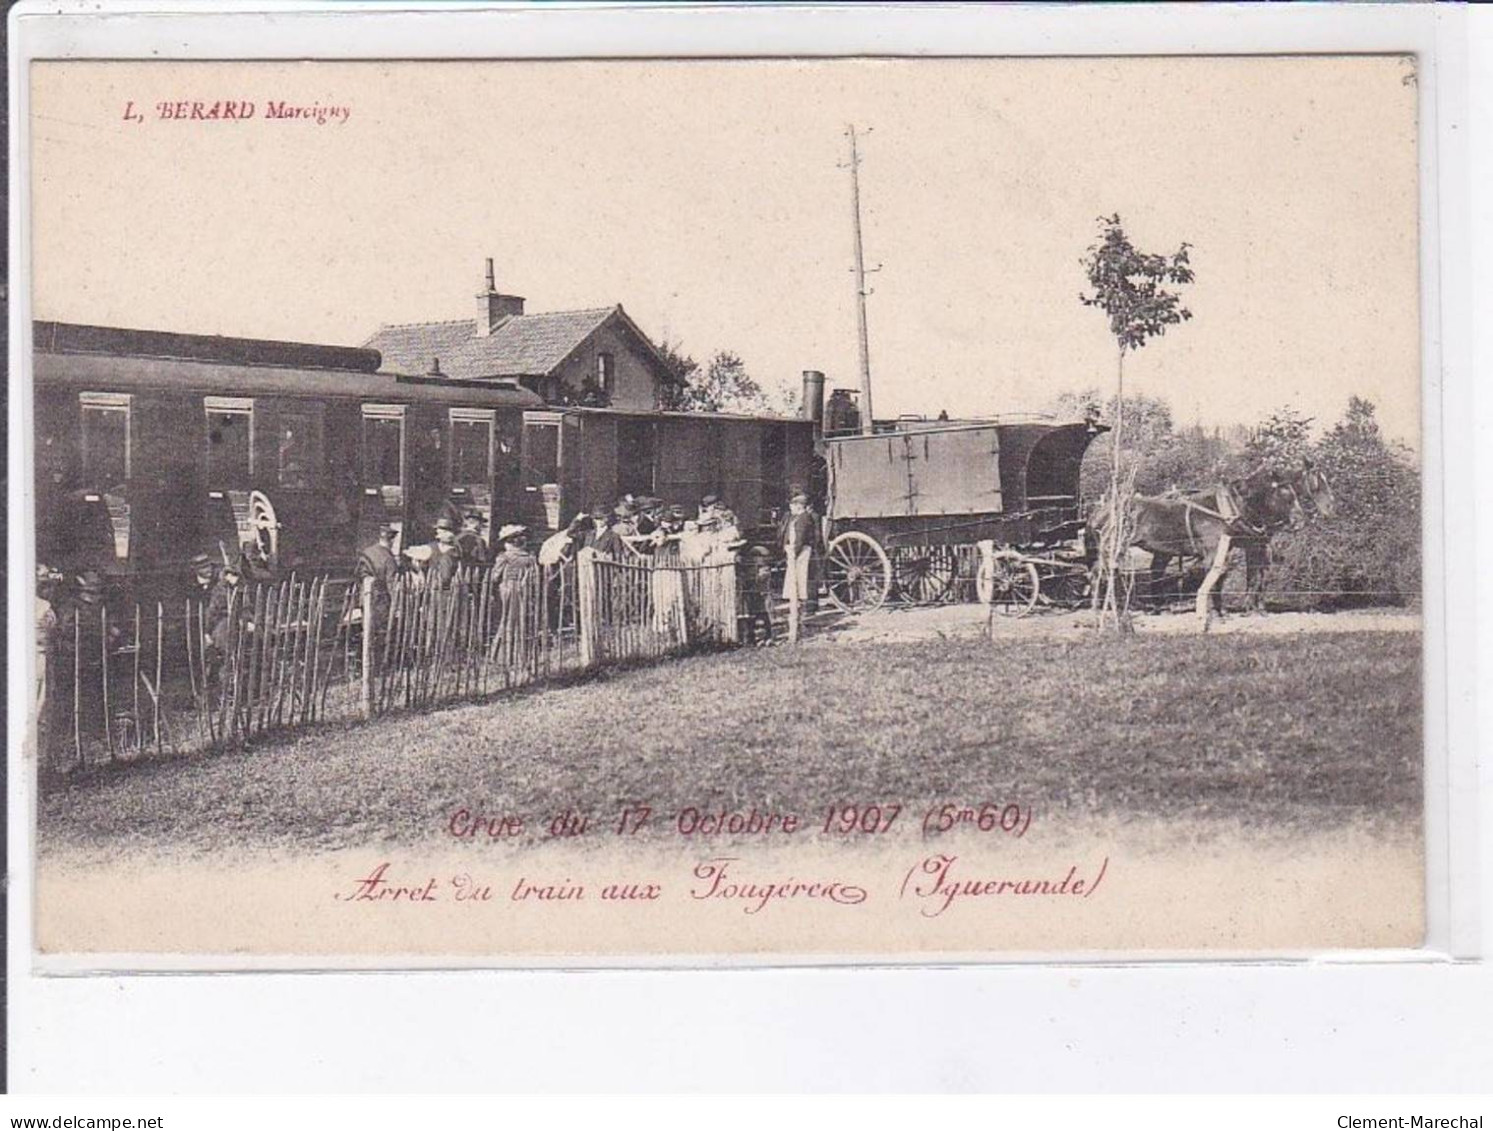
[[961, 621]]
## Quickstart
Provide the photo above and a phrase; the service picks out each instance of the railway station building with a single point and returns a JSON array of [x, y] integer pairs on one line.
[[596, 356]]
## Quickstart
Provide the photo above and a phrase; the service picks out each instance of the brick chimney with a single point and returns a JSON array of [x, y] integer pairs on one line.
[[494, 309]]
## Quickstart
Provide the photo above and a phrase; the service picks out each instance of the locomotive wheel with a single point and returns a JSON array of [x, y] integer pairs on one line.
[[857, 572], [1007, 584], [924, 574]]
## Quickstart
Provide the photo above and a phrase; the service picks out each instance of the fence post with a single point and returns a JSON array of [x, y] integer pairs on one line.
[[367, 680], [586, 618]]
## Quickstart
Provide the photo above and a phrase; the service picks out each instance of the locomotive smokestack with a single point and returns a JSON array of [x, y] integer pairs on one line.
[[813, 398]]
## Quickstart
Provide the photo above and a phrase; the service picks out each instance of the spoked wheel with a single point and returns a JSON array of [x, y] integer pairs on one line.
[[924, 573], [1008, 584], [1071, 588], [858, 572]]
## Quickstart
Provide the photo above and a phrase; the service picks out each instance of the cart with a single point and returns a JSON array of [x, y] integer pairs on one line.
[[909, 515]]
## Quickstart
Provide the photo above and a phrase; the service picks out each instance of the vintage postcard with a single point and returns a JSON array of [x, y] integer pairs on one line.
[[567, 512]]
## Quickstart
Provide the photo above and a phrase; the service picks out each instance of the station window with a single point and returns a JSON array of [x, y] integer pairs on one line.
[[471, 446], [106, 438], [383, 445], [299, 446], [606, 374], [230, 441]]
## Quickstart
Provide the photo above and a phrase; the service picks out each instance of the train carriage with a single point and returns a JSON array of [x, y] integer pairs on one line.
[[152, 447]]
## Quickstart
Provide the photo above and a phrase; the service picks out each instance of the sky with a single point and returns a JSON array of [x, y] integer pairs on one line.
[[711, 200]]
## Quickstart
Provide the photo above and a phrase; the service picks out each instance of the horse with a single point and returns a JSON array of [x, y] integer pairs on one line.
[[1313, 492], [1205, 524]]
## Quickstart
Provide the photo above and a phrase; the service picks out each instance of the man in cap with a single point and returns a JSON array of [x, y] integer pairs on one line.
[[707, 509], [613, 542], [204, 577], [379, 565], [79, 630], [445, 561], [598, 520], [650, 514], [469, 543], [228, 614], [800, 532], [255, 564]]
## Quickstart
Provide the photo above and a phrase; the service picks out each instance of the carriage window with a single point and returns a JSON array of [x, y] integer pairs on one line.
[[299, 447], [383, 445], [541, 453], [106, 438], [230, 441], [636, 454], [471, 446]]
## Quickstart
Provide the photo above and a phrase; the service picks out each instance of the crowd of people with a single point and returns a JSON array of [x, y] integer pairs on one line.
[[635, 530]]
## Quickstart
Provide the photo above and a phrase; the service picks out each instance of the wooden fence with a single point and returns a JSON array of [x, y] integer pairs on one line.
[[286, 656]]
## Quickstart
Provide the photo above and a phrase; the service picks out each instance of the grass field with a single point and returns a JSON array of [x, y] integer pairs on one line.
[[1269, 732]]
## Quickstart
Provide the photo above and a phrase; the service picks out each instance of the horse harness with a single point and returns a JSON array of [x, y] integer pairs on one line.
[[1229, 512]]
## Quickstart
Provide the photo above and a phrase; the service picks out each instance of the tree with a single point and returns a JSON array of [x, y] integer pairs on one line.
[[1281, 439], [725, 386], [682, 368], [1131, 287]]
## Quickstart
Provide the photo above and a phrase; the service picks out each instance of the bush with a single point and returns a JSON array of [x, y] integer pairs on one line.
[[1368, 553]]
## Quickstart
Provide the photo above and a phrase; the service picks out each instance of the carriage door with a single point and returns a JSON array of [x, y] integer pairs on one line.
[[471, 472], [105, 421], [541, 470], [228, 459], [383, 472]]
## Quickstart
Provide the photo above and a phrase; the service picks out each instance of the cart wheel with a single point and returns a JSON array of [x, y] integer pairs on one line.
[[857, 572], [1072, 589], [1008, 583], [924, 573]]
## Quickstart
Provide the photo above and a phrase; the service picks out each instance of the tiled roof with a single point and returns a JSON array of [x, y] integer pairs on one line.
[[526, 345]]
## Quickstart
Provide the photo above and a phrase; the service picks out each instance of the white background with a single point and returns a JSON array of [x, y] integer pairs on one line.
[[1343, 1025]]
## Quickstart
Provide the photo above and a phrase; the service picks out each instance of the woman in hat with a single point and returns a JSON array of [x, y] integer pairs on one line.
[[445, 559], [667, 578], [516, 575]]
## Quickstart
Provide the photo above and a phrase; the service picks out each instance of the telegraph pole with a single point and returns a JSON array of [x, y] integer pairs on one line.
[[867, 417]]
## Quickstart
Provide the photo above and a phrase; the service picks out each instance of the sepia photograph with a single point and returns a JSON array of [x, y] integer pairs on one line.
[[565, 512]]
